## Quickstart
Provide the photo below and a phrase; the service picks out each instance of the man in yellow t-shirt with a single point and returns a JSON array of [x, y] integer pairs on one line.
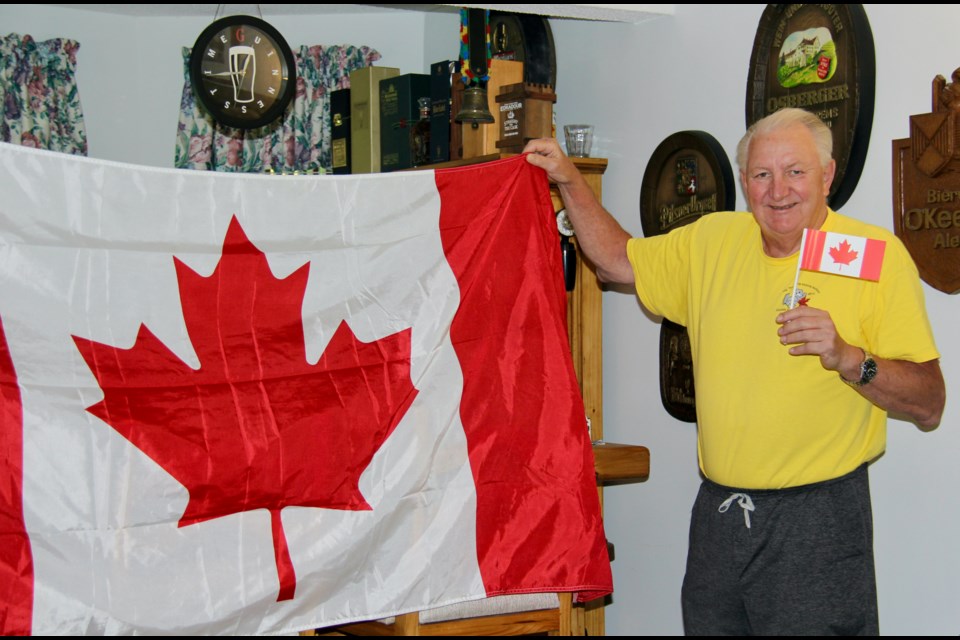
[[792, 392]]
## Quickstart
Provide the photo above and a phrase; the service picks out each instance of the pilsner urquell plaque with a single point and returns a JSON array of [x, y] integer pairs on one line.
[[688, 176]]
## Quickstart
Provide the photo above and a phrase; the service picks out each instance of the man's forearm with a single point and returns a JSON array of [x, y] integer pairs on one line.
[[913, 389]]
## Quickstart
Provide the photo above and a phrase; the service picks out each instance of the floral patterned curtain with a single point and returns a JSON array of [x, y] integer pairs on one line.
[[300, 141], [38, 94]]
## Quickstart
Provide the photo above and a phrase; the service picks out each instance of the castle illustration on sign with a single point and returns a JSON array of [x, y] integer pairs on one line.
[[807, 57]]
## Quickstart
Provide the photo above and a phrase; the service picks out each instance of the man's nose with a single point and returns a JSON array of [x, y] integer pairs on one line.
[[779, 187]]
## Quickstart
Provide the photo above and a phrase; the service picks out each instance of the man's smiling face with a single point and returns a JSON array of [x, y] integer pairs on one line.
[[786, 186]]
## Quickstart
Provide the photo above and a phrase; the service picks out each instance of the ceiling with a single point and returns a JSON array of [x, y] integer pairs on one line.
[[607, 12]]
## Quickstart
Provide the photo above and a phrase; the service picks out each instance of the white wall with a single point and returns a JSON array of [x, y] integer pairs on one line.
[[689, 71], [638, 84]]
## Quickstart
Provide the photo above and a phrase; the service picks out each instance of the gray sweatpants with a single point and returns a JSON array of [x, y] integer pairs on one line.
[[799, 563]]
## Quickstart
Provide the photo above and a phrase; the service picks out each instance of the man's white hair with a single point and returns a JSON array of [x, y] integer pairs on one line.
[[783, 119]]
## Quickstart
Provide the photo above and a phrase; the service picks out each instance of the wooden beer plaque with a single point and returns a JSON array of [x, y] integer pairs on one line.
[[818, 57], [926, 188], [688, 176]]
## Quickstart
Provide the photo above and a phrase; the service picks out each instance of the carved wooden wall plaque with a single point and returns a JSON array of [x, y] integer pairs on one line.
[[818, 57], [926, 188], [688, 176]]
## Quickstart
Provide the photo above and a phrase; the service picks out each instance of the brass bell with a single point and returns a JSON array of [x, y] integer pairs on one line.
[[475, 108]]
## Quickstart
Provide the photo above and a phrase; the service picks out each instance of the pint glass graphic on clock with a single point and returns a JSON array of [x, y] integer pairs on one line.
[[243, 70]]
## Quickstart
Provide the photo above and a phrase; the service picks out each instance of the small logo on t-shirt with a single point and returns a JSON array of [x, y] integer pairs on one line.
[[799, 299]]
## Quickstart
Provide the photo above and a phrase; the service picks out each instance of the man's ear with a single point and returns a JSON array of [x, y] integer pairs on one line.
[[828, 174]]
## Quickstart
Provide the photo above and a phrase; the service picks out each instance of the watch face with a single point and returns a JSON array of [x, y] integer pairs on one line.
[[242, 72], [868, 370]]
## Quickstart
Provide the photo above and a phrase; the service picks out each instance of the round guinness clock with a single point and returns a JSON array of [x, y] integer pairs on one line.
[[242, 72]]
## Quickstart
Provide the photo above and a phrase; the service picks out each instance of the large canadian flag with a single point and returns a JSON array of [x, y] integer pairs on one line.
[[259, 404]]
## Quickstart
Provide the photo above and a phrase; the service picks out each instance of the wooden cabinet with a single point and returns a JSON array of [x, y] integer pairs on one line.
[[585, 311]]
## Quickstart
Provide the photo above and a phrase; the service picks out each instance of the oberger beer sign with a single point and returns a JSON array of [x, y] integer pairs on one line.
[[818, 57], [926, 188]]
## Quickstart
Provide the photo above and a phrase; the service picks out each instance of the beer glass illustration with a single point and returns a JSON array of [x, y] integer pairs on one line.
[[243, 69]]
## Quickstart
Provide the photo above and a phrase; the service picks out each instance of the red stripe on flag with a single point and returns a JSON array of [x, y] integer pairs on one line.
[[538, 519], [813, 249], [286, 573], [872, 259], [16, 557]]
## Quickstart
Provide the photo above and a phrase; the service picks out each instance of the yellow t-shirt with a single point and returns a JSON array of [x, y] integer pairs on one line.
[[766, 419]]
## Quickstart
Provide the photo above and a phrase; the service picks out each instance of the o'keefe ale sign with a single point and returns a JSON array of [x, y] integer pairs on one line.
[[926, 188]]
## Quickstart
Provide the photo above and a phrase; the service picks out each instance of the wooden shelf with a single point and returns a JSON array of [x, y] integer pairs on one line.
[[458, 163], [585, 165], [621, 462]]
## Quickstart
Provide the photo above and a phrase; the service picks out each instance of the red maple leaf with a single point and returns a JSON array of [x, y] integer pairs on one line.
[[842, 254], [256, 426]]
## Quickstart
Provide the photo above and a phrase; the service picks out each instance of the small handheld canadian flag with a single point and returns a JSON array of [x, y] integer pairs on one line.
[[840, 253]]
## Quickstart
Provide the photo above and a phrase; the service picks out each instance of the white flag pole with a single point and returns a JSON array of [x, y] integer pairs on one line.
[[796, 278]]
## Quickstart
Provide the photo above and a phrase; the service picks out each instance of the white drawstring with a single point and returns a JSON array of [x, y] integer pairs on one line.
[[745, 503]]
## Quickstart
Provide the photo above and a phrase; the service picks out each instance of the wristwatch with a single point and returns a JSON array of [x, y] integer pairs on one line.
[[868, 371]]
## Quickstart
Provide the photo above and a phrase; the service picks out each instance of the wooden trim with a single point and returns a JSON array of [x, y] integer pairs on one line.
[[555, 621]]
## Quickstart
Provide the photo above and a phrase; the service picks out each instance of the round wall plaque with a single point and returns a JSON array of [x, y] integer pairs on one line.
[[818, 57], [688, 176]]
